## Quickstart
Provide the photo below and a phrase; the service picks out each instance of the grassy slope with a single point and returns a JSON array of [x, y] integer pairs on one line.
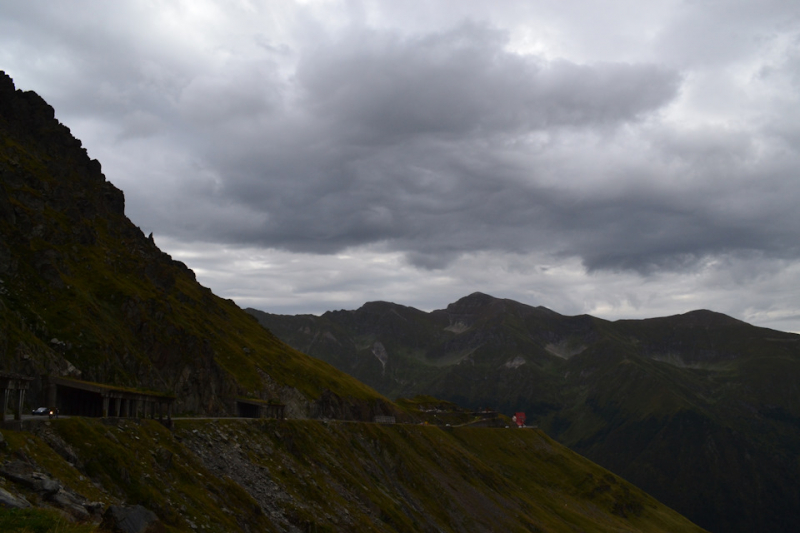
[[344, 476], [708, 441], [346, 340], [424, 357], [38, 521]]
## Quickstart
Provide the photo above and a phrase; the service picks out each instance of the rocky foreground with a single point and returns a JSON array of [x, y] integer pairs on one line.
[[268, 475]]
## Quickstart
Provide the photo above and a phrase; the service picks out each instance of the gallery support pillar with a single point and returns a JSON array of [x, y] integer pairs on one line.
[[18, 410], [5, 405], [13, 382]]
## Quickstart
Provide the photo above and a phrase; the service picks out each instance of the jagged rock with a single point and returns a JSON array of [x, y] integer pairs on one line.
[[71, 503], [9, 501], [45, 484], [59, 446], [331, 405], [134, 519], [94, 507], [23, 474]]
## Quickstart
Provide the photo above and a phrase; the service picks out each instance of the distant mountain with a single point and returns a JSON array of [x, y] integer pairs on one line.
[[84, 293], [699, 409]]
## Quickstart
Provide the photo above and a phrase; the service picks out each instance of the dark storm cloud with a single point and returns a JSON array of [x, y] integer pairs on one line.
[[413, 140], [424, 143], [463, 81]]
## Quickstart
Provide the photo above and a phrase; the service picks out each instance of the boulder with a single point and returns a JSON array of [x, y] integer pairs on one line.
[[70, 503], [133, 519], [9, 501], [23, 474]]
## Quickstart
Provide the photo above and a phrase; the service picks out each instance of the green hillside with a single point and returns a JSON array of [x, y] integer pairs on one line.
[[238, 475], [701, 410]]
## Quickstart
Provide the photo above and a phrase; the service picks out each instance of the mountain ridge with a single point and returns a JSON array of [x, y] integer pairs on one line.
[[627, 394]]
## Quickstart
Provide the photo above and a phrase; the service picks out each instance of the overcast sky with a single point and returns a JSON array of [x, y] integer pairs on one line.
[[620, 158]]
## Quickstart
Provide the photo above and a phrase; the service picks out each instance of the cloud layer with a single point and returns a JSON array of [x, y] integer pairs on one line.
[[626, 144]]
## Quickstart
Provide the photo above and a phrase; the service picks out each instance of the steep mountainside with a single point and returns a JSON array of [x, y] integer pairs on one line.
[[307, 476], [403, 351], [84, 293], [700, 409]]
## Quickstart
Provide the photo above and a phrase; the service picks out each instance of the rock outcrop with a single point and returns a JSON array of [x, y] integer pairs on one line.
[[130, 519]]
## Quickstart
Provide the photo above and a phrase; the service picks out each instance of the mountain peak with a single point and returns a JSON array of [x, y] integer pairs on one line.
[[700, 318], [706, 317], [471, 303]]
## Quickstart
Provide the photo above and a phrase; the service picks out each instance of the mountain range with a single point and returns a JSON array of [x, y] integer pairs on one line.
[[699, 409]]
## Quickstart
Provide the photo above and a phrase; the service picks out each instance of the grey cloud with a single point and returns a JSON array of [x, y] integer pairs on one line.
[[463, 81], [440, 143], [89, 60], [395, 140], [239, 91], [718, 34], [140, 124]]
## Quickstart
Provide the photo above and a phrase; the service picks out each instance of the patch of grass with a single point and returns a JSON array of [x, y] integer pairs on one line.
[[38, 521], [22, 444]]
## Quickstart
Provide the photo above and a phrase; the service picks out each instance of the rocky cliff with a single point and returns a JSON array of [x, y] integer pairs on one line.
[[83, 292]]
